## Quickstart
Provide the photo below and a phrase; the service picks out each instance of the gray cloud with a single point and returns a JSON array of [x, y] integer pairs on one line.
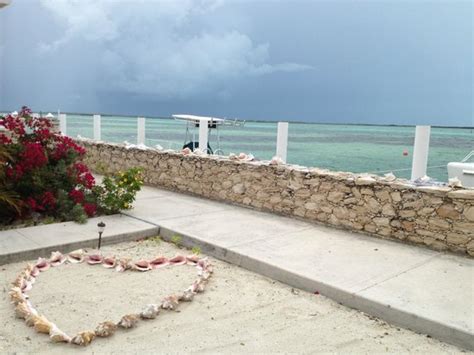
[[149, 49]]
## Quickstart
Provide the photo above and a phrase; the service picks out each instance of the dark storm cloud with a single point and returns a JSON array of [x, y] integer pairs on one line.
[[336, 61]]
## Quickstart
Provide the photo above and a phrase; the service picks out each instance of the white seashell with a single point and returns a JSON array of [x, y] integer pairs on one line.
[[58, 336], [150, 311], [129, 321], [17, 296], [22, 310], [105, 329], [390, 177], [197, 286], [276, 161], [454, 182], [76, 256], [123, 264], [56, 258], [170, 302], [187, 296]]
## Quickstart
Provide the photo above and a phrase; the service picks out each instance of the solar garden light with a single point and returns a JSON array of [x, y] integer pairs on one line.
[[100, 229]]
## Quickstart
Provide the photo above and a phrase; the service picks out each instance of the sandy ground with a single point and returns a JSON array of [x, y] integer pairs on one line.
[[239, 312]]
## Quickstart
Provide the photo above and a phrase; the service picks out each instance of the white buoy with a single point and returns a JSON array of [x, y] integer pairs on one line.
[[282, 141], [203, 136], [97, 127], [420, 152], [141, 130]]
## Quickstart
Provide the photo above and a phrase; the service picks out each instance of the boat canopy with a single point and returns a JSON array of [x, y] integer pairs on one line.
[[198, 119]]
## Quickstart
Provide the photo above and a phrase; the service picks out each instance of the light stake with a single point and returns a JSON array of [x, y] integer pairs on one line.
[[100, 229]]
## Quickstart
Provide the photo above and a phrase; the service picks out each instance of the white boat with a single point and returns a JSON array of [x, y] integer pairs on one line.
[[193, 122], [463, 171]]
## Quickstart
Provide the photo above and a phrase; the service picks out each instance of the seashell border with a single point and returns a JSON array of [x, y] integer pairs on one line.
[[27, 277]]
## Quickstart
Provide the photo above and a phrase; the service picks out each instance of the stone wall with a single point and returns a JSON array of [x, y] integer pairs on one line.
[[441, 218]]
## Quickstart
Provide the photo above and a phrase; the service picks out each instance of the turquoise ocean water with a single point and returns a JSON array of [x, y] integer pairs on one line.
[[355, 148]]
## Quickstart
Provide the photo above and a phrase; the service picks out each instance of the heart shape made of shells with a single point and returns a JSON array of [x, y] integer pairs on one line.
[[27, 277]]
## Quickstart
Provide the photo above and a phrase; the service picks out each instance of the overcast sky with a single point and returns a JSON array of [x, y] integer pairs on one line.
[[396, 62]]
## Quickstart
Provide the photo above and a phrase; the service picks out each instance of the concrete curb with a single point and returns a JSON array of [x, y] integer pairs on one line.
[[386, 312], [88, 243]]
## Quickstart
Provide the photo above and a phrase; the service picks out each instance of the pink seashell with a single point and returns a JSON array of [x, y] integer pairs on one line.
[[205, 265], [160, 261], [178, 260], [26, 286], [42, 264], [142, 265], [94, 259], [35, 272], [186, 151], [192, 259], [110, 262], [56, 258]]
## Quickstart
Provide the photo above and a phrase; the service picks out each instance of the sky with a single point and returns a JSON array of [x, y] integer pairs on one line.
[[378, 62]]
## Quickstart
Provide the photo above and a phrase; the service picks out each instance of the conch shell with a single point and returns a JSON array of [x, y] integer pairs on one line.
[[56, 258], [76, 256], [83, 338], [22, 310], [177, 260], [42, 264], [17, 296], [42, 325], [150, 311], [35, 272], [26, 286], [170, 302], [105, 329], [94, 259], [19, 280], [123, 264], [197, 286], [192, 259], [142, 265], [58, 336], [159, 262], [32, 319], [186, 296], [129, 321], [109, 262]]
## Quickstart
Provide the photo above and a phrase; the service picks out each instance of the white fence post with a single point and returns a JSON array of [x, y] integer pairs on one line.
[[420, 152], [97, 127], [62, 124], [282, 140], [141, 130], [203, 136]]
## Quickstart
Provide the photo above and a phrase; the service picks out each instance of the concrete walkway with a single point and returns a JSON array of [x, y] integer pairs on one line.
[[419, 289], [33, 242]]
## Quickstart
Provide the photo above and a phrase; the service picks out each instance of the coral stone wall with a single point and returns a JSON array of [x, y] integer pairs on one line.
[[439, 217]]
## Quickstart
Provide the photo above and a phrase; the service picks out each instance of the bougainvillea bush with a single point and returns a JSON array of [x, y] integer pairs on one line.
[[41, 175]]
